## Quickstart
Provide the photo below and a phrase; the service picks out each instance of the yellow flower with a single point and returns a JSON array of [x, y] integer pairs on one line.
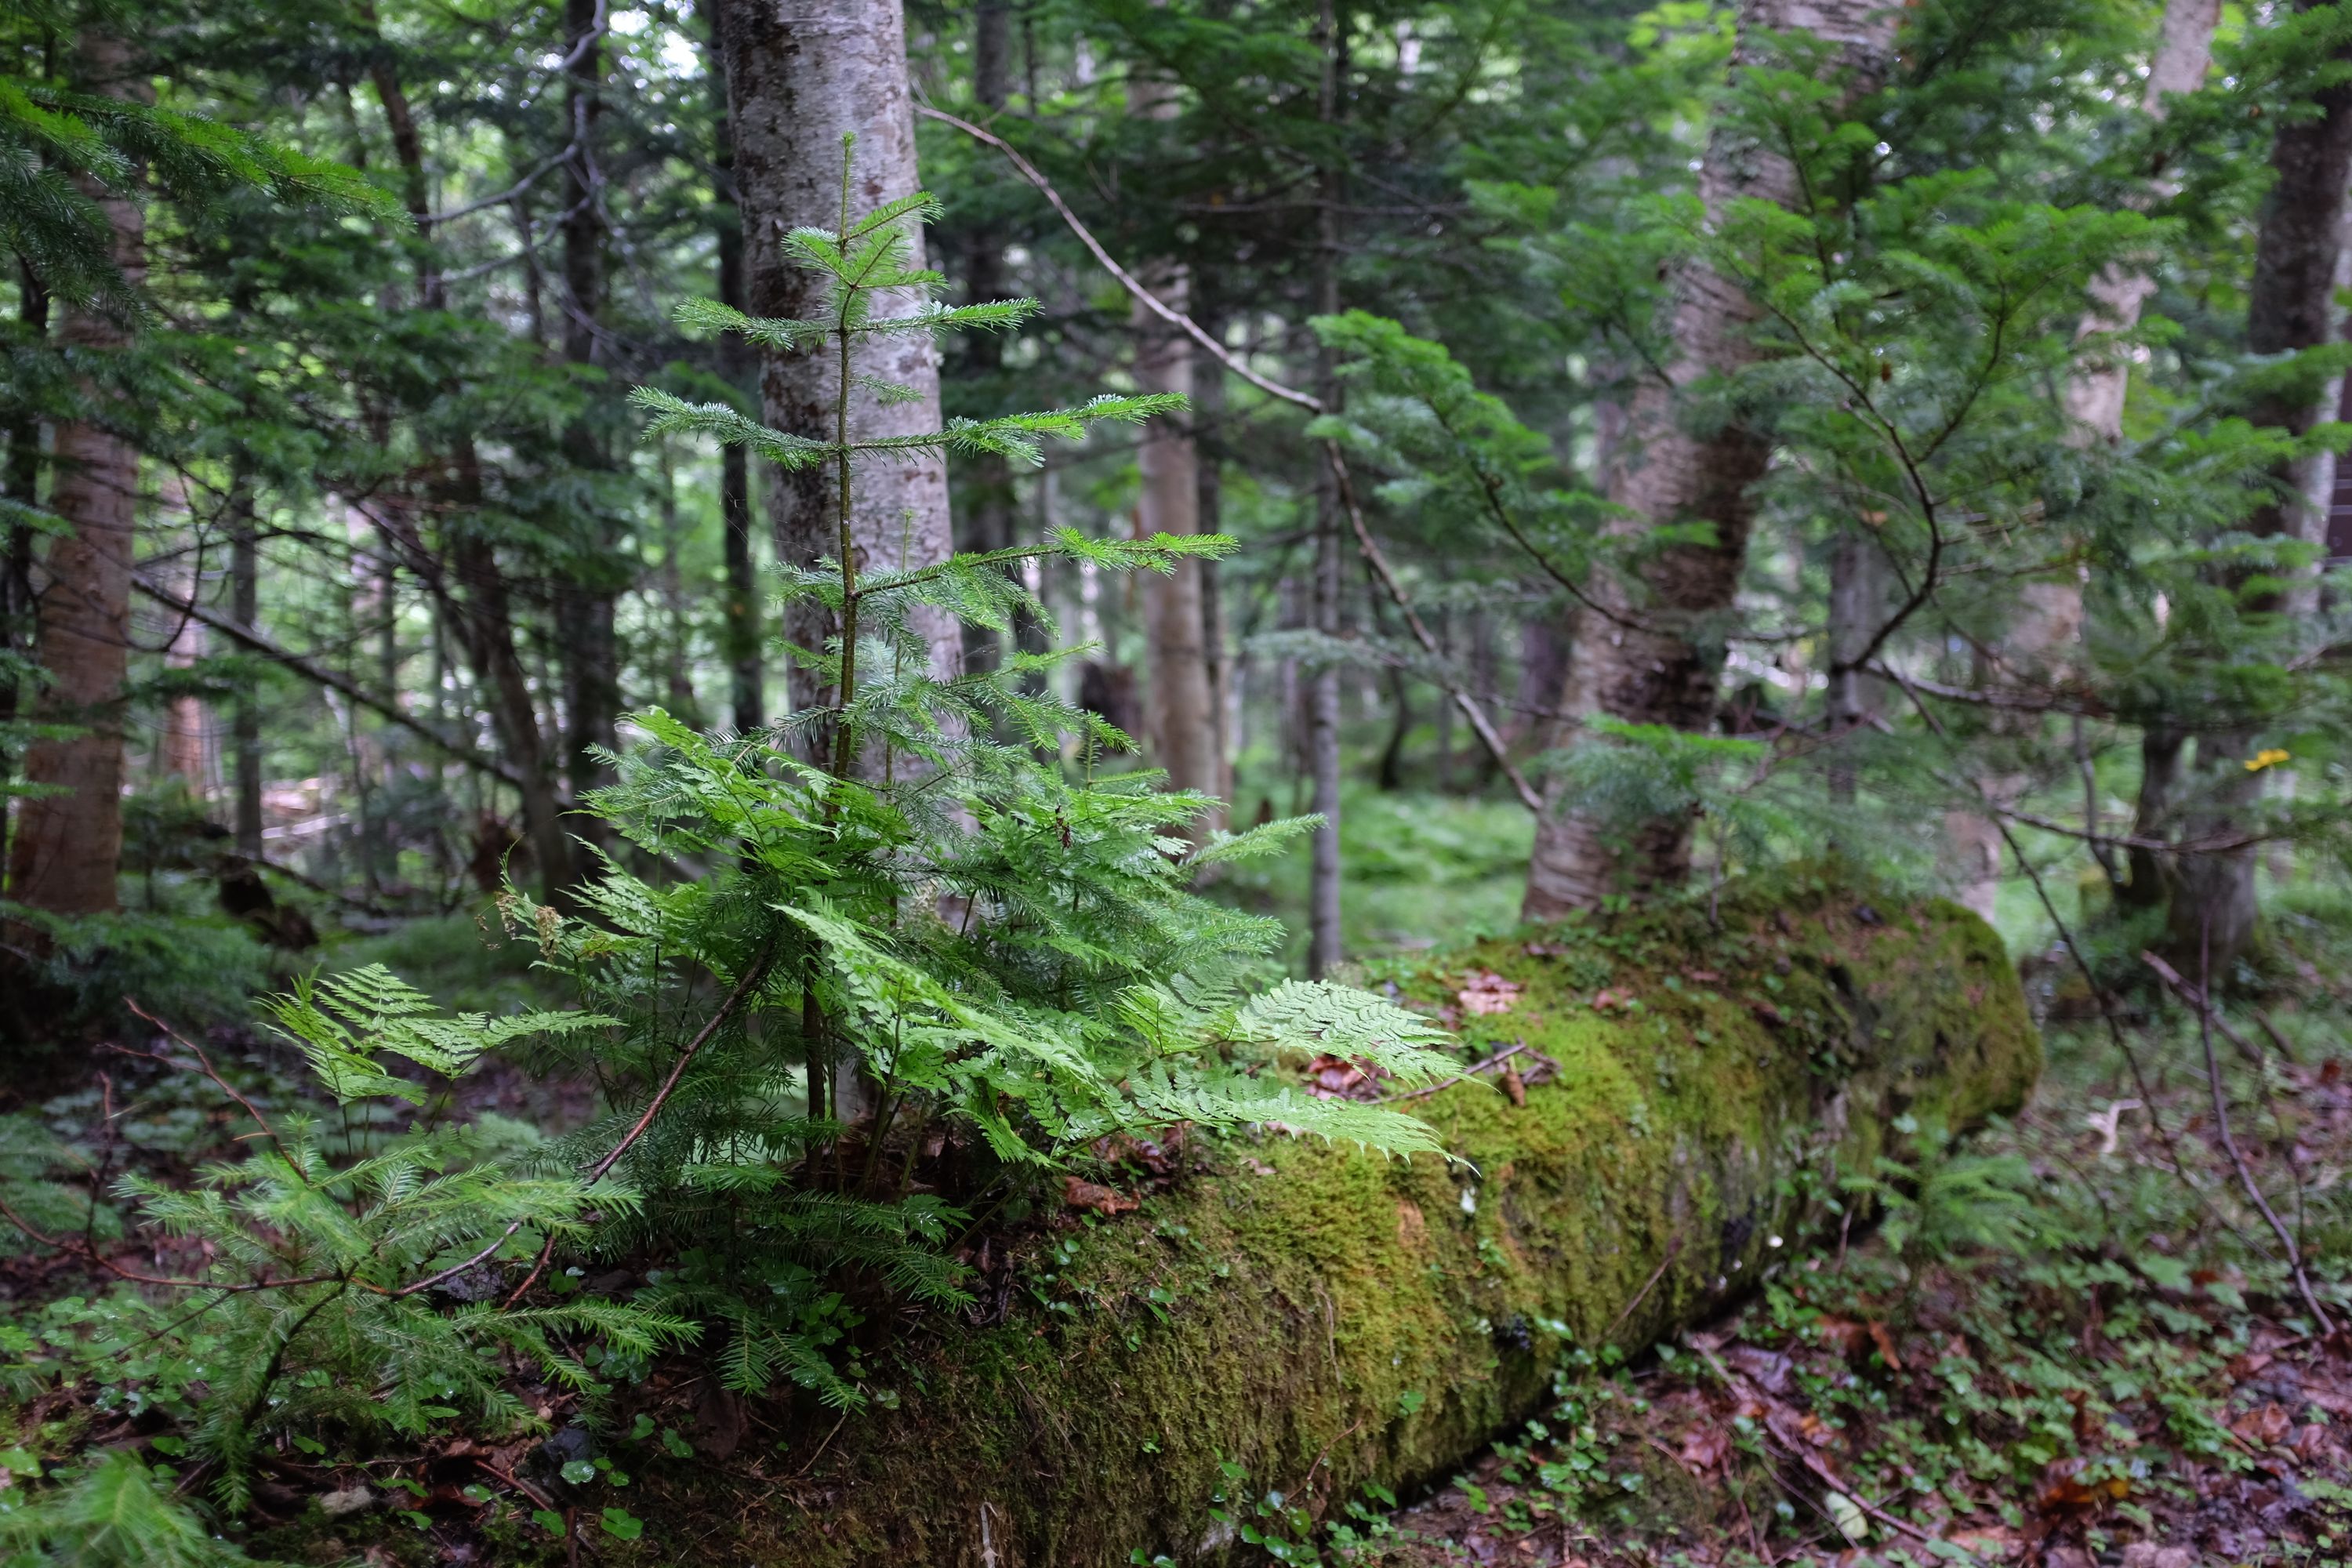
[[2268, 756]]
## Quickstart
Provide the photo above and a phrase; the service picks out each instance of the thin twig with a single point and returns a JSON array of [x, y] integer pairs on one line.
[[1642, 1295], [205, 1064], [2195, 996], [1377, 562], [456, 1269], [743, 988], [2230, 1142], [1829, 1478], [1496, 1061], [73, 1245], [2285, 1047]]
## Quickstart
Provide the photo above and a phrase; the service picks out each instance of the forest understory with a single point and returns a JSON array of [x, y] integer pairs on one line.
[[1042, 784]]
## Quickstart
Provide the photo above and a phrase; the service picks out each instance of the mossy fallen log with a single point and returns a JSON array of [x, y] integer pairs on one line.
[[1327, 1320]]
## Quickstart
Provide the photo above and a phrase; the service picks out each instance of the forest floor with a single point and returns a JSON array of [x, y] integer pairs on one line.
[[2058, 1350]]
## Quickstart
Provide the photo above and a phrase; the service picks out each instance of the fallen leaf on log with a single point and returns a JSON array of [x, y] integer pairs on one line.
[[1082, 1195]]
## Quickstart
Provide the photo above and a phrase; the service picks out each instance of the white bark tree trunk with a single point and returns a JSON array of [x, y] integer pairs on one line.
[[799, 77]]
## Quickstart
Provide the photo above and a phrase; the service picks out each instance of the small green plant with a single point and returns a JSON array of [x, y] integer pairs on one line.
[[345, 1280]]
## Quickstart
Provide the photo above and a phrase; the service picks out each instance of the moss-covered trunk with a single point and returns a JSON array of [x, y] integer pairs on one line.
[[1327, 1320]]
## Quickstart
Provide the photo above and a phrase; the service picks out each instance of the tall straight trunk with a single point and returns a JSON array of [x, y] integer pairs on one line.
[[1209, 501], [798, 79], [584, 599], [1182, 720], [745, 676], [1323, 904], [2290, 307], [244, 608], [1652, 658], [185, 747], [68, 842], [987, 520], [1857, 608], [18, 606], [1181, 717], [2038, 644]]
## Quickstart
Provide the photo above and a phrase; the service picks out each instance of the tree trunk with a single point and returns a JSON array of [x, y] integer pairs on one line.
[[18, 606], [987, 521], [2290, 307], [244, 608], [1324, 947], [2037, 644], [476, 595], [1857, 609], [185, 747], [746, 698], [68, 843], [1652, 658], [485, 615], [797, 80], [585, 598], [1208, 412], [1182, 720]]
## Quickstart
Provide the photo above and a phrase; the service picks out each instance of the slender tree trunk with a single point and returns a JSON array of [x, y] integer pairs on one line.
[[1652, 658], [585, 597], [1181, 717], [1323, 904], [18, 607], [244, 608], [746, 677], [485, 613], [1208, 414], [68, 843], [2290, 307], [798, 79], [2038, 645], [987, 520], [1857, 608], [185, 749], [1182, 720]]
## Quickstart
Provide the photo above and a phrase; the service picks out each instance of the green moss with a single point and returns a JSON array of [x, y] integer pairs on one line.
[[1284, 1313]]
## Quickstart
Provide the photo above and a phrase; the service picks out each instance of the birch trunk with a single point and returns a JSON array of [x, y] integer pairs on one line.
[[1652, 656], [799, 77], [68, 842]]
